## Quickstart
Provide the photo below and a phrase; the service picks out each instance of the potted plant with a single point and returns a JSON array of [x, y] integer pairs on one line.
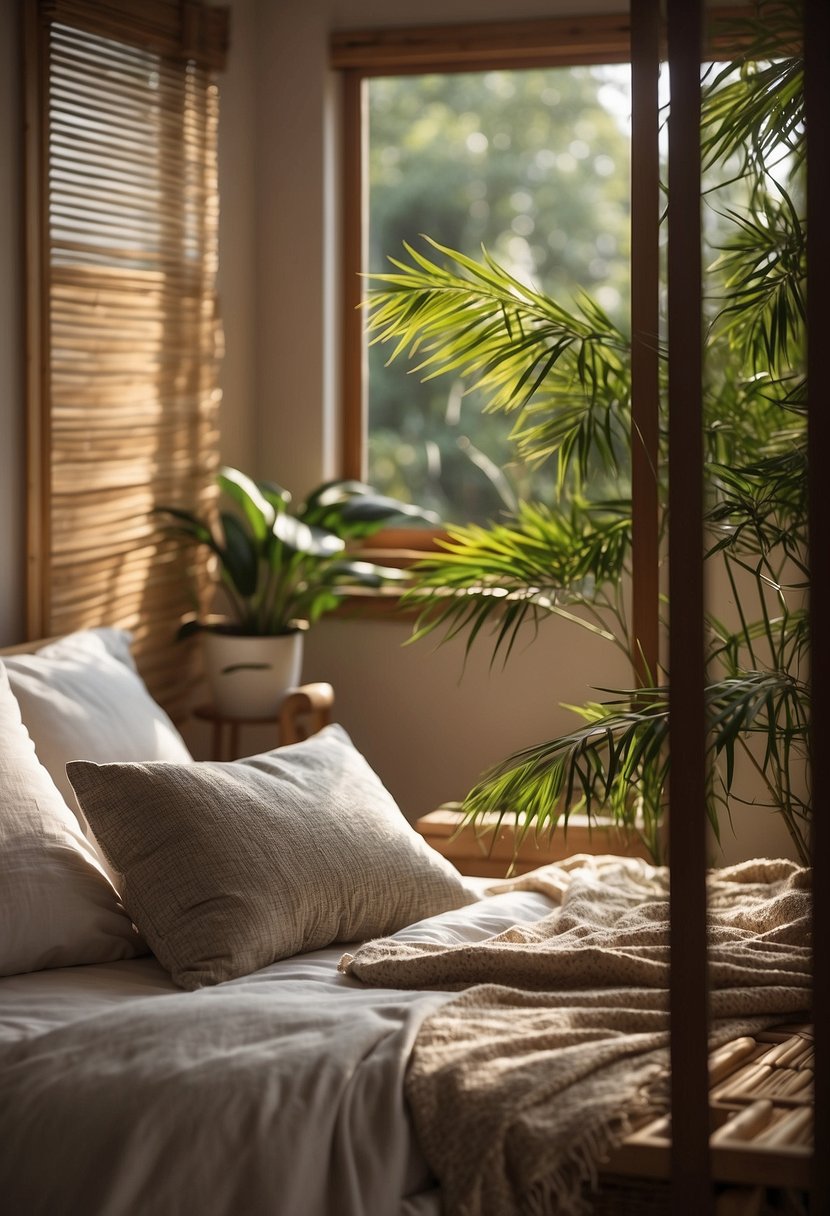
[[563, 375], [278, 571]]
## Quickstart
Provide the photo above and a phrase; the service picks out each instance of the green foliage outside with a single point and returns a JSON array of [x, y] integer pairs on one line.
[[560, 373], [533, 165]]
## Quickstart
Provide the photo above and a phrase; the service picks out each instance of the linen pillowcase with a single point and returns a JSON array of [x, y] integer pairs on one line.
[[56, 907], [81, 698], [230, 866]]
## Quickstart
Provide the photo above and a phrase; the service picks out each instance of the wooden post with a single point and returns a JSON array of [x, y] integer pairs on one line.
[[645, 286], [353, 238], [690, 1162], [817, 100]]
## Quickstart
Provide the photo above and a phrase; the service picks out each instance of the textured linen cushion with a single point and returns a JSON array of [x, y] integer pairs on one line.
[[228, 867], [81, 698], [56, 907]]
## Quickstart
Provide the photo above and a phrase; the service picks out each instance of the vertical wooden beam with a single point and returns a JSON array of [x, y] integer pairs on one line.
[[817, 101], [645, 285], [690, 1162], [353, 153]]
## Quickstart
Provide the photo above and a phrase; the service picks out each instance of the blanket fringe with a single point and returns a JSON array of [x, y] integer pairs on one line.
[[563, 1192]]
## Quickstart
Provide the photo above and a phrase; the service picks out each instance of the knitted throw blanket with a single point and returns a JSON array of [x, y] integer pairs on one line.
[[523, 1083]]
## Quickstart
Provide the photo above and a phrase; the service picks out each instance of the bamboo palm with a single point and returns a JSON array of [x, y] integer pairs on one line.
[[562, 373], [563, 376]]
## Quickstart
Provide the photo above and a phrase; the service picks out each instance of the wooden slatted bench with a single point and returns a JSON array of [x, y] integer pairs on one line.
[[761, 1103]]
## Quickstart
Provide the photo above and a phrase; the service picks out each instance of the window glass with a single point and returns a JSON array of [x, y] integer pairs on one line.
[[532, 164]]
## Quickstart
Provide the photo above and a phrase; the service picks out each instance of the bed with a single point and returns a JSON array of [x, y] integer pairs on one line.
[[252, 988]]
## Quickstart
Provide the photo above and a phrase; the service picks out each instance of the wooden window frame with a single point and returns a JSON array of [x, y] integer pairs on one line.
[[360, 55]]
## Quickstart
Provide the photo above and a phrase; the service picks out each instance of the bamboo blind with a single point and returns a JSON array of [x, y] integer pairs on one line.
[[124, 411]]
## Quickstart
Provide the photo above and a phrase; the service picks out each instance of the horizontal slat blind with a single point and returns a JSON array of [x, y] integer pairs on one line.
[[130, 360]]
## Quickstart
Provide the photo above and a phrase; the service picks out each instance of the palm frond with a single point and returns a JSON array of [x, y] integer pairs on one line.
[[539, 563], [762, 507], [763, 267], [618, 761], [510, 341], [759, 113]]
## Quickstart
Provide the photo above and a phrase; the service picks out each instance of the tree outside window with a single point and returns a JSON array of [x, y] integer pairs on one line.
[[534, 166]]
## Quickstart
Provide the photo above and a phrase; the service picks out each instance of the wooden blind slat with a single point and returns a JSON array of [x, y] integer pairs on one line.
[[129, 392], [691, 1193]]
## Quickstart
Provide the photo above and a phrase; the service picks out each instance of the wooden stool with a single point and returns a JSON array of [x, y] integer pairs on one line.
[[303, 712]]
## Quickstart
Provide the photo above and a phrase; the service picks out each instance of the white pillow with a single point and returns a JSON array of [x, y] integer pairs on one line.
[[228, 867], [81, 698], [56, 907]]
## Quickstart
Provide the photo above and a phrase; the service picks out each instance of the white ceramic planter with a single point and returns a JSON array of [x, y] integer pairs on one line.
[[248, 676]]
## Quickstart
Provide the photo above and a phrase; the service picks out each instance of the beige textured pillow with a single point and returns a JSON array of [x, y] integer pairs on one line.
[[228, 867], [56, 907]]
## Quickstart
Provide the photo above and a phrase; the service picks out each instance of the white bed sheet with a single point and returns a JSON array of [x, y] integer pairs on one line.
[[279, 1093]]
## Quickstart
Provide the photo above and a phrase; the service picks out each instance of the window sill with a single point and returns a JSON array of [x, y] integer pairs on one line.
[[401, 547], [373, 604]]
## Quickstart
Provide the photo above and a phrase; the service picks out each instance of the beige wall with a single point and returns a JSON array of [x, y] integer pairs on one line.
[[12, 478], [427, 730]]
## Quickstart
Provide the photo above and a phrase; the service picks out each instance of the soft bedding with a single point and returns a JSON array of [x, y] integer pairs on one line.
[[561, 1034], [57, 906], [82, 698], [278, 1093], [322, 1084]]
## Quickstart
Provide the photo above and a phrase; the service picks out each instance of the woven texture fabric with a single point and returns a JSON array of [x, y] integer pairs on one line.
[[57, 909], [82, 699], [561, 1035], [228, 867]]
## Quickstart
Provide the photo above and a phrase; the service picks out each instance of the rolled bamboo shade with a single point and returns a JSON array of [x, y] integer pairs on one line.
[[124, 410]]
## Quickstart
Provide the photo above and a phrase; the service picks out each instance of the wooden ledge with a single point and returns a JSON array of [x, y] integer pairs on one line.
[[489, 848]]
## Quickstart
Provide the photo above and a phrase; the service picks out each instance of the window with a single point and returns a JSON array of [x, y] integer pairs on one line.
[[506, 134], [533, 166], [122, 213]]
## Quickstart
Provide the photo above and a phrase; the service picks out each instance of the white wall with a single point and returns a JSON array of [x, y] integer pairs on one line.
[[237, 239], [12, 474], [428, 731]]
